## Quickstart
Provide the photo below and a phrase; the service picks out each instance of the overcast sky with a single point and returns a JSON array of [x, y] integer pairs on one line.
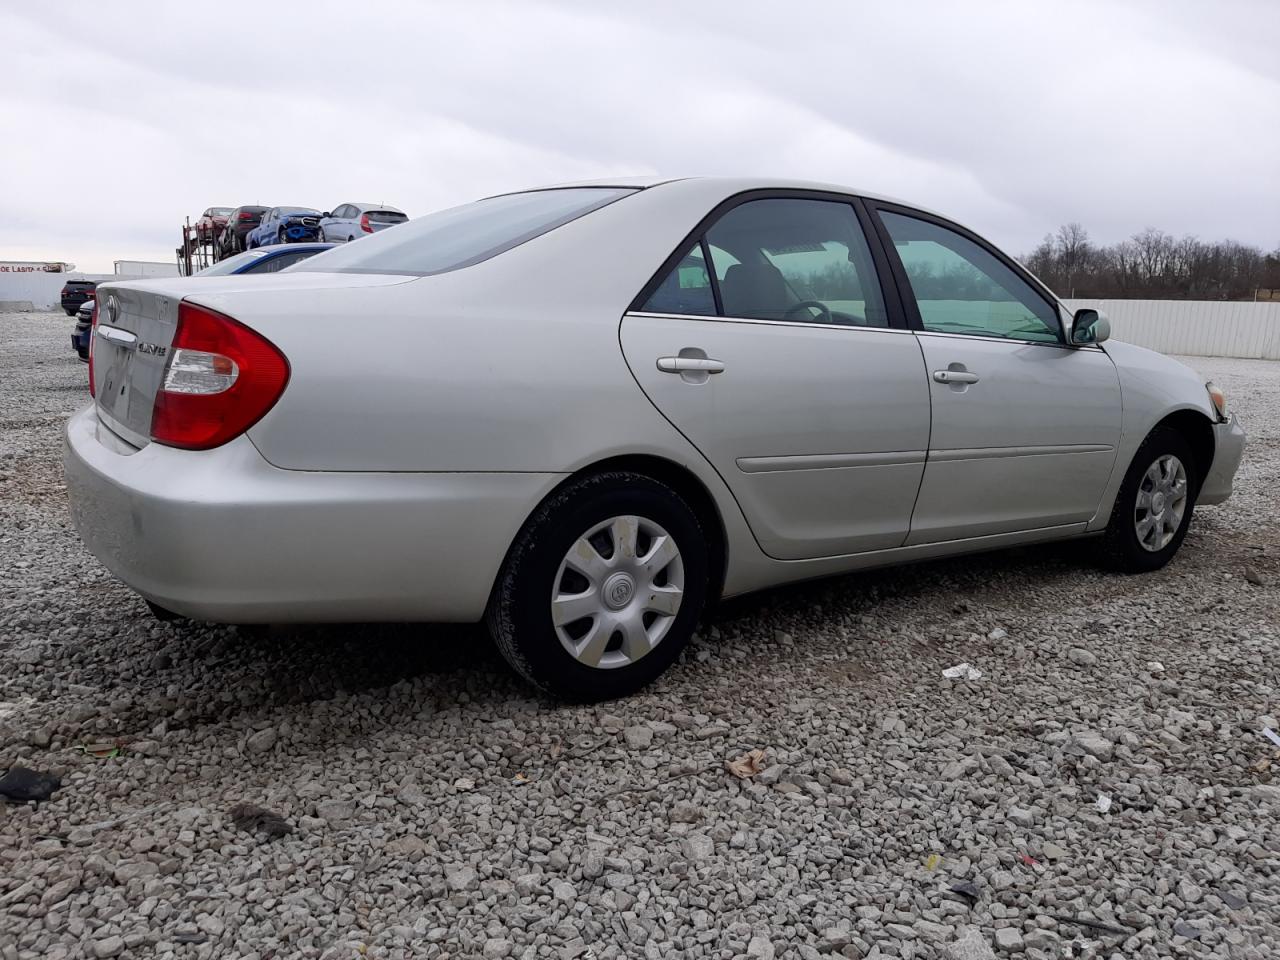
[[121, 119]]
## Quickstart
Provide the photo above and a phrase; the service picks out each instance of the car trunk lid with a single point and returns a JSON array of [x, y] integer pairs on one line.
[[137, 322]]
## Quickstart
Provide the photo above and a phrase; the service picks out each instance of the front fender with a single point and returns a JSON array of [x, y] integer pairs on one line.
[[1152, 387]]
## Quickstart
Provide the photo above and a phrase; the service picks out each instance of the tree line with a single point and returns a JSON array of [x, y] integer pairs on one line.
[[1154, 265]]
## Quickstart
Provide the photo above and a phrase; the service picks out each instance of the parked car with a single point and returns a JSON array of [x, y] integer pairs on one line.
[[583, 413], [211, 223], [239, 223], [76, 292], [84, 327], [285, 225], [270, 259], [349, 221]]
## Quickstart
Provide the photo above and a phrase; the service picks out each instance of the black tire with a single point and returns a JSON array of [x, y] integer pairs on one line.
[[1121, 549], [280, 237], [70, 313], [519, 614]]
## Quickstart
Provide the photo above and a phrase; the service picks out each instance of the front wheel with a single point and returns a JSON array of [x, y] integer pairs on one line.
[[281, 238], [602, 589], [1153, 508]]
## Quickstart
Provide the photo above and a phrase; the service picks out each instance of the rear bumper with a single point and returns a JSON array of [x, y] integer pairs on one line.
[[223, 535], [1229, 443]]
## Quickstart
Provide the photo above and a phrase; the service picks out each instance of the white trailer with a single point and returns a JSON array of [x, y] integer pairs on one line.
[[143, 269]]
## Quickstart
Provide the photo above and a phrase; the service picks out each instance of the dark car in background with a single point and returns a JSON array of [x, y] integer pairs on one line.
[[285, 225], [84, 327], [240, 223], [350, 221], [76, 292]]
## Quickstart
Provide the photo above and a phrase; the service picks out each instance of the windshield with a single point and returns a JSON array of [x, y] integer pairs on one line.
[[462, 236], [220, 211], [296, 211], [232, 264]]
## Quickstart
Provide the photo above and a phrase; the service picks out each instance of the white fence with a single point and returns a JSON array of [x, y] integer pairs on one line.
[[1198, 327]]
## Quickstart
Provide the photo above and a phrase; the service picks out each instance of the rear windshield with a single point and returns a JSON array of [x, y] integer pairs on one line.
[[462, 236], [386, 216], [86, 284], [220, 211], [298, 212]]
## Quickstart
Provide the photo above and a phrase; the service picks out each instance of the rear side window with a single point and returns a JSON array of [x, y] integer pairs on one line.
[[463, 236], [686, 289], [797, 260]]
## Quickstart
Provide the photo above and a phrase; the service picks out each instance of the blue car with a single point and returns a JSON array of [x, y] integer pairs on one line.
[[285, 225], [270, 259]]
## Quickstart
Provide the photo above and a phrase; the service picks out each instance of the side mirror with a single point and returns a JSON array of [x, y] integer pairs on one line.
[[326, 214], [1090, 326]]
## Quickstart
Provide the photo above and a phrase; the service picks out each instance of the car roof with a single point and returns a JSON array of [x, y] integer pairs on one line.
[[372, 206], [734, 185]]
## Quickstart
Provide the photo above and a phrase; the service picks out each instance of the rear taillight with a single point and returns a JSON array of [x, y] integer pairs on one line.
[[93, 335], [220, 380], [245, 216], [364, 223]]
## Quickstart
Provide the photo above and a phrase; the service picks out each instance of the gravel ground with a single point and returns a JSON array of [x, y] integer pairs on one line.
[[435, 808]]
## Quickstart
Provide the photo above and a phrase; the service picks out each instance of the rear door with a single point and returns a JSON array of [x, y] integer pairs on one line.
[[767, 341], [1025, 426]]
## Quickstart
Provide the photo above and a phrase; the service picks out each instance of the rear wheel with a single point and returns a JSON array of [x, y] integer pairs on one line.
[[602, 589], [1153, 508]]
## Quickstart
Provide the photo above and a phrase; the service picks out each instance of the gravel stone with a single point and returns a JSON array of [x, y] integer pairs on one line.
[[108, 947], [1009, 940], [613, 845], [638, 738], [1082, 657], [262, 741]]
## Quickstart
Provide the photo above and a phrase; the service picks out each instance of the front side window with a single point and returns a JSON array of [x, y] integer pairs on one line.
[[784, 259], [466, 235], [960, 287]]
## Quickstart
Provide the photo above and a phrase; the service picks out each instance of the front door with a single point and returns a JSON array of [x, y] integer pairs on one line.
[[769, 346], [1025, 427]]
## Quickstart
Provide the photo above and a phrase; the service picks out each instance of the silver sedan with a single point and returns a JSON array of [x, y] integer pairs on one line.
[[582, 413]]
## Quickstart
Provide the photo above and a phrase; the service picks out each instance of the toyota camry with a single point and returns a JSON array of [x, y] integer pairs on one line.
[[584, 413]]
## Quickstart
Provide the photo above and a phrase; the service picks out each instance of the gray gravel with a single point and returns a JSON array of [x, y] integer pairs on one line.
[[432, 807]]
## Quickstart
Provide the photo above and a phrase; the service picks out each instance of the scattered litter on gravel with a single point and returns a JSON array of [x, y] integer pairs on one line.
[[393, 792]]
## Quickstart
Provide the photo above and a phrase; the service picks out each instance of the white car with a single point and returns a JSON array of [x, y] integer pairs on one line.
[[350, 221], [583, 413]]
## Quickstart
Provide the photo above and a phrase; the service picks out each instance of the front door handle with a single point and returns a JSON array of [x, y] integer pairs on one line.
[[955, 376], [690, 365]]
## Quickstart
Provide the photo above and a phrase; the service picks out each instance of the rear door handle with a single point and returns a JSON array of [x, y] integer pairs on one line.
[[690, 365], [955, 376]]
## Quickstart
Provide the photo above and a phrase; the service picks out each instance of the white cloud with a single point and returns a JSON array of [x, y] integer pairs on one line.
[[1012, 117]]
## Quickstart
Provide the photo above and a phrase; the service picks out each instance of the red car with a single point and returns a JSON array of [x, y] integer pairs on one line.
[[211, 223]]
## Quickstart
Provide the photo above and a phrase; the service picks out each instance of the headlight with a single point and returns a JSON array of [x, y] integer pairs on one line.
[[1219, 399]]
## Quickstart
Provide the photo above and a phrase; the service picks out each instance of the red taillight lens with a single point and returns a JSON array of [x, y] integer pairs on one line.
[[93, 335], [245, 216], [221, 379], [364, 223]]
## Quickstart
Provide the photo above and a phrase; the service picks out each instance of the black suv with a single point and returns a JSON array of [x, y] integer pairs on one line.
[[76, 292], [231, 240]]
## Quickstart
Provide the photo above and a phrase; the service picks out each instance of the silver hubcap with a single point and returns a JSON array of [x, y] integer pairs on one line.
[[1162, 502], [617, 592]]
